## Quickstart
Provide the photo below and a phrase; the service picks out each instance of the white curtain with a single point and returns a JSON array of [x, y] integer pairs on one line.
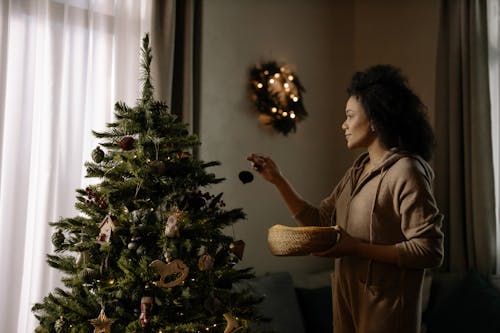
[[494, 80], [63, 65]]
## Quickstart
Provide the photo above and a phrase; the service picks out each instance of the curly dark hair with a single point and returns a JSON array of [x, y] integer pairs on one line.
[[395, 111]]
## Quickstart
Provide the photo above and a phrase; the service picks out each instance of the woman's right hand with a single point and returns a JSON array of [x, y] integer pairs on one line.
[[266, 167]]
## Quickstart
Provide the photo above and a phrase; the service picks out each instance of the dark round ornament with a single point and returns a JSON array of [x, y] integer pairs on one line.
[[58, 239], [98, 155], [245, 176], [127, 143]]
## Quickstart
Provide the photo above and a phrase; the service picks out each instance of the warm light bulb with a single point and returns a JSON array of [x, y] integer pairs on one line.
[[295, 98], [286, 85], [285, 114], [259, 85], [292, 115], [290, 77], [282, 69], [271, 81], [276, 75], [266, 72], [274, 109]]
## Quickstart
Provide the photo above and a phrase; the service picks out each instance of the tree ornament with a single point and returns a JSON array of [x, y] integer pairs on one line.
[[102, 323], [127, 143], [172, 225], [277, 96], [237, 248], [245, 177], [98, 154], [205, 262], [232, 324], [146, 308], [58, 239], [106, 227], [132, 245], [59, 325], [176, 270], [183, 155]]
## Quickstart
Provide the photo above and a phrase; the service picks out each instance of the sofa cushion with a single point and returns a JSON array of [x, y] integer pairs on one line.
[[473, 306], [280, 303], [316, 307]]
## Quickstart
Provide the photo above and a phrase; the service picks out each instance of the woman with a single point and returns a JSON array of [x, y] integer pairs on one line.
[[383, 207]]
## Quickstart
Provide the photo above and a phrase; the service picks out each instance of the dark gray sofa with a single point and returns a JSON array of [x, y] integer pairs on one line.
[[453, 302]]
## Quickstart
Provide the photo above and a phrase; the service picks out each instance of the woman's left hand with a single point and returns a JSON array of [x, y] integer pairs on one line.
[[345, 246]]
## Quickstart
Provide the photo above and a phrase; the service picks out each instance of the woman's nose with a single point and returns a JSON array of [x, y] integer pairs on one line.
[[344, 126]]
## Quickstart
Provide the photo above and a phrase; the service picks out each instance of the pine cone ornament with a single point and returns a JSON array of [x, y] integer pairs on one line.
[[58, 239], [97, 155], [127, 143]]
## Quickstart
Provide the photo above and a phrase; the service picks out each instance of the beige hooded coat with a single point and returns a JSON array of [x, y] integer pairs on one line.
[[392, 205]]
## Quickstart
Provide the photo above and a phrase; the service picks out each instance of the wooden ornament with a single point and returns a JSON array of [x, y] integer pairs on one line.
[[106, 227], [175, 269], [146, 308], [102, 324], [232, 324], [237, 248], [183, 155]]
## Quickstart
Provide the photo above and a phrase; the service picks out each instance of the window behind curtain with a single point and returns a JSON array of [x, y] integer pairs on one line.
[[63, 65]]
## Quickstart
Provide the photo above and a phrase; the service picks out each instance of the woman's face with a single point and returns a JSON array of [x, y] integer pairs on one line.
[[357, 127]]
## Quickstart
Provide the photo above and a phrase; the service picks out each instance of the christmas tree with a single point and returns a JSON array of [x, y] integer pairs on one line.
[[147, 252]]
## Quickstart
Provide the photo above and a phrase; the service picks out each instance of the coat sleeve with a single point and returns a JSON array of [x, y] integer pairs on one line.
[[420, 218], [324, 214]]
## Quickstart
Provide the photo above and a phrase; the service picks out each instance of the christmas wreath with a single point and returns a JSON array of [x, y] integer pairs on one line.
[[277, 96]]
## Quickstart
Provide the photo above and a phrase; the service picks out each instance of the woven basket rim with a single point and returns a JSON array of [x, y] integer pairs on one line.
[[293, 241]]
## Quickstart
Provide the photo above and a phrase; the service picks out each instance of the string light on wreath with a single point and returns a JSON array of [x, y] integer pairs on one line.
[[277, 96]]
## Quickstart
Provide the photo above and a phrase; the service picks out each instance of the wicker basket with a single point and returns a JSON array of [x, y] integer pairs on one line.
[[300, 241]]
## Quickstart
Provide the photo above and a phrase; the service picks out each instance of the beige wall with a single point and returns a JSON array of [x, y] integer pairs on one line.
[[403, 33], [324, 41]]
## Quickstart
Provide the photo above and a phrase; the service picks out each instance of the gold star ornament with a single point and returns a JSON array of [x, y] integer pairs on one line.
[[102, 323]]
